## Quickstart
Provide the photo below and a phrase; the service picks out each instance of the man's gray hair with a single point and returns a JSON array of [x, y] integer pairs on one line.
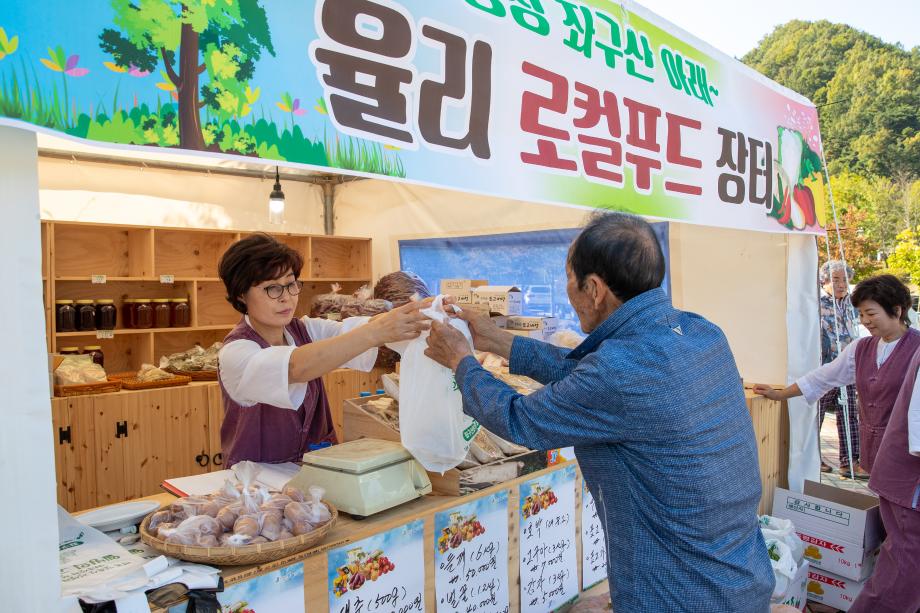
[[832, 266]]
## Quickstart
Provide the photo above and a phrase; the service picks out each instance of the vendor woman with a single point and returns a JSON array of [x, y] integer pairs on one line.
[[876, 364], [270, 366]]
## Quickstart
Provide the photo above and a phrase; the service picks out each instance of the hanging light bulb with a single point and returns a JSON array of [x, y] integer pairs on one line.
[[276, 202]]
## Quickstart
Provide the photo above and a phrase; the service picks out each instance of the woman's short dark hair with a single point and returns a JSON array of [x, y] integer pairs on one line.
[[252, 260], [621, 249], [887, 291]]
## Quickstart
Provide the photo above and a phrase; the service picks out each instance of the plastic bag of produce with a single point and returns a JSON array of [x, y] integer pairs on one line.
[[782, 530], [433, 426], [784, 566], [329, 306]]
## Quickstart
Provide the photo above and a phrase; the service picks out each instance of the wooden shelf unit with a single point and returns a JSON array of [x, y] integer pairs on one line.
[[134, 259]]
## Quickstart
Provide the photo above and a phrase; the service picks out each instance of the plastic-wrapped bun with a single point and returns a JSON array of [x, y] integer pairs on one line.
[[293, 493], [205, 524], [238, 540], [329, 306], [247, 525], [208, 540], [164, 528], [285, 534], [317, 513], [158, 518], [228, 516], [277, 501], [400, 288], [271, 525]]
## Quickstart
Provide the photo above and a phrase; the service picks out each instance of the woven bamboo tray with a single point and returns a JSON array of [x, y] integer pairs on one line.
[[103, 387], [129, 381], [194, 375], [246, 554]]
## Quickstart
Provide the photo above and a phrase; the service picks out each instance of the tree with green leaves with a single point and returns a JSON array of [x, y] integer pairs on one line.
[[223, 38]]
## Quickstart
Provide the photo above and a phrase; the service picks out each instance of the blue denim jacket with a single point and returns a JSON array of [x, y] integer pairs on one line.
[[653, 404]]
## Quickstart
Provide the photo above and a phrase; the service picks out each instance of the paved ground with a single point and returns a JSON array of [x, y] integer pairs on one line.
[[829, 453], [597, 600]]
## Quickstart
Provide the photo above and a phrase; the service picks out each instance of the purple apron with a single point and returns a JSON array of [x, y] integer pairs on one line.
[[266, 433], [878, 389], [893, 587]]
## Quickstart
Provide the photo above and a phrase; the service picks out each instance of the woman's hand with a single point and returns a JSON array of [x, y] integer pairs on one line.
[[401, 324], [486, 335], [768, 391], [447, 346]]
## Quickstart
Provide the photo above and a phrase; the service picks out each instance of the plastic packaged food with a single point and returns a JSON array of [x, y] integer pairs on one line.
[[95, 352], [329, 306]]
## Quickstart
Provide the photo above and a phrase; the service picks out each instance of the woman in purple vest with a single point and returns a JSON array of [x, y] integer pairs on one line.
[[894, 586], [876, 364], [271, 362]]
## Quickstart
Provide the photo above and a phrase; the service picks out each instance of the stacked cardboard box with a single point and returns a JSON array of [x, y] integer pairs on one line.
[[842, 533]]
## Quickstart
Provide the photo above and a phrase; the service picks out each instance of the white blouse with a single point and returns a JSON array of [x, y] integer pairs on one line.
[[253, 375], [841, 371]]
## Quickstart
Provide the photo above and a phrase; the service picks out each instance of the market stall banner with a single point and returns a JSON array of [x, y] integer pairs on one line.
[[585, 103]]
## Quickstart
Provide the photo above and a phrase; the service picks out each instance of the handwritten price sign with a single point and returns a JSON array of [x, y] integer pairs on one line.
[[593, 543], [548, 560], [381, 574], [471, 556]]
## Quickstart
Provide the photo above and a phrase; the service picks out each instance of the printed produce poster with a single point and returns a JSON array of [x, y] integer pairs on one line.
[[281, 590], [471, 556], [384, 573], [593, 543], [549, 564]]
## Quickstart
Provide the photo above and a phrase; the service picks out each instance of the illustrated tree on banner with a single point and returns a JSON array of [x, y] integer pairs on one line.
[[221, 39]]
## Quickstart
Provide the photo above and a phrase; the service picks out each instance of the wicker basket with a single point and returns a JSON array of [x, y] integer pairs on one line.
[[103, 387], [246, 554], [194, 375], [129, 381]]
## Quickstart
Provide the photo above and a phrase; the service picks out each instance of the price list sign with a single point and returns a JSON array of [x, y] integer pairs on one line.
[[471, 556], [593, 543], [548, 559], [384, 573]]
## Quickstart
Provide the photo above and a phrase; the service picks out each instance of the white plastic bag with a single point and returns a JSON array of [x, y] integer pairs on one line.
[[433, 426], [784, 566], [783, 530]]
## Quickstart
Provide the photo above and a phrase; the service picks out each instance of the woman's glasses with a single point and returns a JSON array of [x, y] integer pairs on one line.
[[274, 291]]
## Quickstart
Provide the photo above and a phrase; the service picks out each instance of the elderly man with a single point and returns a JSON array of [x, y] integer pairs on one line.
[[653, 404], [838, 329]]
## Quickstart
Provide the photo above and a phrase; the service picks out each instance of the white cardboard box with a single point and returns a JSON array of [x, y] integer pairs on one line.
[[461, 289], [832, 590], [841, 529], [797, 592], [500, 299]]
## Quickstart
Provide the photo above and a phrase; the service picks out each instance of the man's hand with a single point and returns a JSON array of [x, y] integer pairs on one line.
[[447, 346], [486, 335]]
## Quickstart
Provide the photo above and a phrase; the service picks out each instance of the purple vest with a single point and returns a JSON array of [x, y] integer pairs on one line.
[[896, 475], [878, 389], [266, 433]]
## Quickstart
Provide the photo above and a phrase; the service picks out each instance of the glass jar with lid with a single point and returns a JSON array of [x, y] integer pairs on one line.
[[161, 312], [106, 314], [69, 350], [86, 315], [95, 352], [65, 316], [181, 313], [128, 314], [143, 313]]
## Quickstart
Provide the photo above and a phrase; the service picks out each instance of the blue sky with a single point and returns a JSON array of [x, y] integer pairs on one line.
[[736, 26]]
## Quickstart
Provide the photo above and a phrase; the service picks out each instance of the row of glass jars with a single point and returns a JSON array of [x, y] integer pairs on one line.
[[101, 314]]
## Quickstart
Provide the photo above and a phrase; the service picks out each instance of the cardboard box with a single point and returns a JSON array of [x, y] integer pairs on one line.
[[501, 299], [832, 590], [519, 322], [797, 592], [540, 335], [461, 289], [842, 530]]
